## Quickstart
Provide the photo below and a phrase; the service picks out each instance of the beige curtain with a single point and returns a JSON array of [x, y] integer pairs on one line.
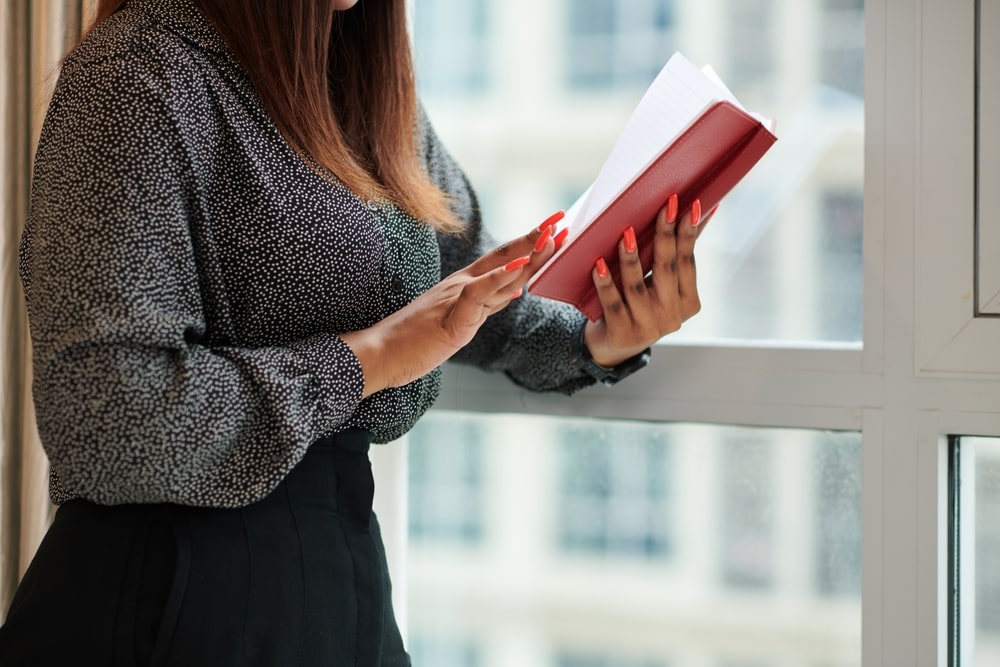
[[34, 35]]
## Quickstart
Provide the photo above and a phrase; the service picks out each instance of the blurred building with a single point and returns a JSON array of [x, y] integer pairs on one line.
[[543, 542], [612, 543]]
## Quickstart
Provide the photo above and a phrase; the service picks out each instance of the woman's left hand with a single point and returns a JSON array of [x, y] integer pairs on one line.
[[645, 310]]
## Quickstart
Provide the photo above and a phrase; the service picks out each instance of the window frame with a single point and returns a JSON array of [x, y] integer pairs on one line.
[[953, 338], [987, 159], [928, 366]]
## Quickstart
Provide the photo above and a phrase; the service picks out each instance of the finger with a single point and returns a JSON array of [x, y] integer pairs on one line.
[[687, 284], [664, 284], [521, 246], [484, 295], [633, 280], [616, 314]]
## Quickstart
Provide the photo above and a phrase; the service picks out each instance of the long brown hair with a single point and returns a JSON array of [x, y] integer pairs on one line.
[[339, 86]]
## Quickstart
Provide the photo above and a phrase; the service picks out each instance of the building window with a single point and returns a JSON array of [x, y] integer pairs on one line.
[[747, 526], [837, 487], [750, 24], [841, 218], [618, 43], [580, 660], [446, 476], [443, 652], [614, 491], [451, 46], [842, 45]]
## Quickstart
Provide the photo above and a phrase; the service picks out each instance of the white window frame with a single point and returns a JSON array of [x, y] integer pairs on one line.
[[928, 366], [952, 339], [988, 159]]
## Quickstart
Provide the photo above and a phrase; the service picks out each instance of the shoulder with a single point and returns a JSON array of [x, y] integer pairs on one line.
[[133, 59]]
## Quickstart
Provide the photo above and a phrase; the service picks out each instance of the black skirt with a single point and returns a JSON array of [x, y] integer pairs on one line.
[[297, 579]]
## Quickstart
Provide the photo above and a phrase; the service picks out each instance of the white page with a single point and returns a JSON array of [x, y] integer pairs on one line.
[[676, 97]]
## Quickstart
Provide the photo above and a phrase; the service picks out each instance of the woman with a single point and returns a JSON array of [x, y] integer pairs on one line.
[[243, 266]]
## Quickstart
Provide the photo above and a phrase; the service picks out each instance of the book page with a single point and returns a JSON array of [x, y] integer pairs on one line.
[[676, 97]]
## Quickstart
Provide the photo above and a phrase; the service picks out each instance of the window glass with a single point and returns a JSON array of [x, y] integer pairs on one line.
[[976, 553], [445, 494], [616, 43], [533, 124], [451, 46], [613, 501], [623, 543]]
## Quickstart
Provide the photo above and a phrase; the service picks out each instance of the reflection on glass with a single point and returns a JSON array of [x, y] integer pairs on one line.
[[532, 125], [633, 544], [978, 555]]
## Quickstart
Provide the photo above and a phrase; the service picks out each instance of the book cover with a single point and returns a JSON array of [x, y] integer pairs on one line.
[[688, 135]]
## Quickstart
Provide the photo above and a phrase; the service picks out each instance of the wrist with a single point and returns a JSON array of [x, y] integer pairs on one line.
[[608, 373], [365, 344]]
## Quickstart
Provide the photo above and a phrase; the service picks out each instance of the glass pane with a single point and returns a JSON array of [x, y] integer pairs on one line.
[[601, 543], [977, 554], [531, 108]]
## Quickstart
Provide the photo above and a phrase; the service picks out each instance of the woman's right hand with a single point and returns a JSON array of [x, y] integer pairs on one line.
[[429, 330]]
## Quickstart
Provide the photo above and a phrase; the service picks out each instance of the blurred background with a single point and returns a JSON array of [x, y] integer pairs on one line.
[[573, 542]]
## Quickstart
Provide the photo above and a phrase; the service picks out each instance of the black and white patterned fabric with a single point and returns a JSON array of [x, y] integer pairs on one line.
[[187, 274]]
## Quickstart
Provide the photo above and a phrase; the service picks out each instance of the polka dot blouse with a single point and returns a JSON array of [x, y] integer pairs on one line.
[[187, 276]]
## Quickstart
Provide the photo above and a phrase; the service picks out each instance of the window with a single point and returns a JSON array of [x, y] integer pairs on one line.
[[843, 47], [446, 476], [618, 43], [747, 486], [988, 159], [614, 490], [749, 24], [443, 652], [976, 551], [574, 660], [626, 543], [846, 332], [534, 141], [451, 46]]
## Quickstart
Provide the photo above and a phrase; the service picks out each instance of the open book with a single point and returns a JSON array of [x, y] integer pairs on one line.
[[688, 136]]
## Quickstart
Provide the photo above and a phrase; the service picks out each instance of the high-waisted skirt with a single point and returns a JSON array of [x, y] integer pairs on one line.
[[298, 579]]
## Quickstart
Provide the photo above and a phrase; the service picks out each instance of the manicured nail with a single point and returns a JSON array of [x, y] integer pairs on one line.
[[695, 212], [552, 219], [712, 212], [517, 263], [561, 237], [630, 243], [672, 208], [602, 267], [517, 294], [543, 239]]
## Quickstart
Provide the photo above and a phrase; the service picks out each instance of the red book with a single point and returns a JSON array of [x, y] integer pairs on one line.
[[688, 136]]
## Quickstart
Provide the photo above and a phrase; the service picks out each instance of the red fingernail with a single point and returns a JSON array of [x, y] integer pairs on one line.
[[630, 243], [602, 267], [672, 208], [517, 294], [561, 237], [517, 263], [543, 239], [552, 219], [712, 212], [695, 212]]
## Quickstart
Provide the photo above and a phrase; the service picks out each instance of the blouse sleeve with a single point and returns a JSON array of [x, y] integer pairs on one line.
[[132, 404], [530, 340]]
